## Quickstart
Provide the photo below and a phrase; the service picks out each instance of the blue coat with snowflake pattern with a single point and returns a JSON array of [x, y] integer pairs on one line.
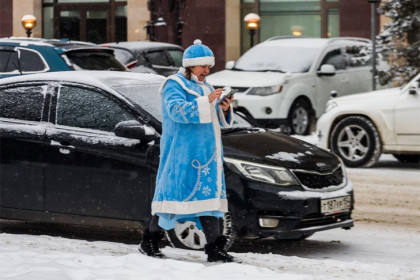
[[190, 178]]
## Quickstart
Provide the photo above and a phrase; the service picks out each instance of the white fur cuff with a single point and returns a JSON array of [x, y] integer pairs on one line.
[[204, 109]]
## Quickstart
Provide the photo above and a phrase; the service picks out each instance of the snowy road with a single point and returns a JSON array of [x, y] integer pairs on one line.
[[384, 244]]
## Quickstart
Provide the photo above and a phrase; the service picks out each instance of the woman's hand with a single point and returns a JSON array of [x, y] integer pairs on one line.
[[225, 103], [215, 94]]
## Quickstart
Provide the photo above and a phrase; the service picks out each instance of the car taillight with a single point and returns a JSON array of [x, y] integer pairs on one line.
[[131, 64]]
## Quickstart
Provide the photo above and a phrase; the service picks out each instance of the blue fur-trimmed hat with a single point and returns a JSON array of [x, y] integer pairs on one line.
[[198, 54]]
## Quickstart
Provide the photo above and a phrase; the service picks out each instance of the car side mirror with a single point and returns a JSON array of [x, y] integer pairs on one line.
[[135, 130], [412, 90], [326, 70], [229, 65]]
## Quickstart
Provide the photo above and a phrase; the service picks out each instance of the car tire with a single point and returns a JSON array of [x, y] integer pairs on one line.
[[188, 236], [407, 158], [356, 141], [300, 117]]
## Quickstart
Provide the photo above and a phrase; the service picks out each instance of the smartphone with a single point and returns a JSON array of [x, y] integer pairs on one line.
[[229, 95]]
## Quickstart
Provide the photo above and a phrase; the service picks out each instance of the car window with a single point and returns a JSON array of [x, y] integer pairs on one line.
[[6, 57], [124, 56], [94, 60], [30, 61], [357, 56], [336, 58], [267, 57], [176, 56], [22, 103], [86, 108], [158, 58]]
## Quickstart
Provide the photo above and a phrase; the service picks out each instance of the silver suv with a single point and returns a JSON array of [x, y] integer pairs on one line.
[[286, 81]]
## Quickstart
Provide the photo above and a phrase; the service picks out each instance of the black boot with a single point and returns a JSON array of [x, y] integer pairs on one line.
[[216, 252], [149, 245]]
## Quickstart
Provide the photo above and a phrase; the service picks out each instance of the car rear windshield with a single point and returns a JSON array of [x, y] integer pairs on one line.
[[146, 96], [295, 59], [94, 60]]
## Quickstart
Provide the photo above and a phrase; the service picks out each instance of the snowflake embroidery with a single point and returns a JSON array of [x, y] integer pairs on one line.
[[206, 191], [193, 113], [209, 179], [205, 171]]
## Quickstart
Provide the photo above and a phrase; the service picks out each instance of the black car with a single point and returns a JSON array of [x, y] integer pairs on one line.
[[77, 148], [163, 58], [38, 55]]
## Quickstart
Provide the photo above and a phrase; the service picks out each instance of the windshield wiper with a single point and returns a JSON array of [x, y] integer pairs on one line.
[[279, 71]]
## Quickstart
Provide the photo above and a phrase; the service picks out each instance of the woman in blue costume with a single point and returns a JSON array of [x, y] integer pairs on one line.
[[190, 183]]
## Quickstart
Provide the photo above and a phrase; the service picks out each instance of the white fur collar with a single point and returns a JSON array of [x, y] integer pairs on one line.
[[193, 77]]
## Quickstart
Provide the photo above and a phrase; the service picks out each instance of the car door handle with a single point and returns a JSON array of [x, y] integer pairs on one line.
[[64, 149]]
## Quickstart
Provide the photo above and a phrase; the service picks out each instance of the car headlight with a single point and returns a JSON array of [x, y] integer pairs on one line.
[[330, 105], [264, 90], [262, 173]]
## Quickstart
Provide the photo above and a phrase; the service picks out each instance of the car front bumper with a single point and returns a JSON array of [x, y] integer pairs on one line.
[[263, 210]]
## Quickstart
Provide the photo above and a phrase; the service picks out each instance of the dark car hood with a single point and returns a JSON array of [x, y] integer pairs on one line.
[[272, 148]]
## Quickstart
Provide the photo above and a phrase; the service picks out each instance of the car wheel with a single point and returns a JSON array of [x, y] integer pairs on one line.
[[407, 158], [188, 236], [300, 117], [356, 141]]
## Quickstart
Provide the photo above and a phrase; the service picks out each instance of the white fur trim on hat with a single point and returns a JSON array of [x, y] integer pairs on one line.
[[204, 60]]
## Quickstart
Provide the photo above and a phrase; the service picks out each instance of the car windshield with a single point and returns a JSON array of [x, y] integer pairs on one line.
[[146, 96], [270, 57], [94, 60]]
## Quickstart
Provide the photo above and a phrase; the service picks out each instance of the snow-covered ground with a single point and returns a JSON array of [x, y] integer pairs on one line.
[[336, 254], [373, 249]]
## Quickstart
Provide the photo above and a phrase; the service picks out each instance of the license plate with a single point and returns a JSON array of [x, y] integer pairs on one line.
[[335, 205]]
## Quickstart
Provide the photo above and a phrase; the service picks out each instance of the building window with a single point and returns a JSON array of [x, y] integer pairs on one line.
[[96, 21], [314, 18]]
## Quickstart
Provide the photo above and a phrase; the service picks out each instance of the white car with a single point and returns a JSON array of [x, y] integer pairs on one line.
[[286, 82], [358, 128]]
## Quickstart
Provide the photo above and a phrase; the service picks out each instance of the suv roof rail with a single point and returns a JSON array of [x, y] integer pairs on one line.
[[355, 39], [286, 37]]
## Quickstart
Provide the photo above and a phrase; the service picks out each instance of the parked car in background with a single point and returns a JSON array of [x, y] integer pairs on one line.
[[164, 58], [84, 149], [286, 81], [127, 57], [360, 127], [20, 56]]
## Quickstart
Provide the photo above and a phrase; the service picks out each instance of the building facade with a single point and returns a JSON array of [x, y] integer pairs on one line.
[[218, 23]]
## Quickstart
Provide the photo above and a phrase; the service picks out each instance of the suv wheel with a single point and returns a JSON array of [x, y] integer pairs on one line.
[[300, 117], [188, 236], [356, 141]]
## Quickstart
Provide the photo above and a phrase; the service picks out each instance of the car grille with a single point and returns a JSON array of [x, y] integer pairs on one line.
[[322, 220], [319, 181]]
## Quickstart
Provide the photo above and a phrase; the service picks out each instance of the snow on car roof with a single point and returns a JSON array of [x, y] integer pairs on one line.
[[101, 79], [140, 45], [65, 44], [298, 42], [303, 42]]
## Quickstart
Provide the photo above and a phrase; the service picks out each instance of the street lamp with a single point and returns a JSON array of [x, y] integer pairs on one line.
[[373, 35], [151, 27], [252, 23], [29, 23]]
